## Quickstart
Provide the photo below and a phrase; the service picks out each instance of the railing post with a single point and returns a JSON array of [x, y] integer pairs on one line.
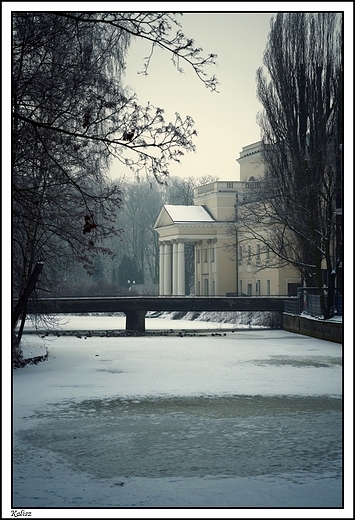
[[299, 293]]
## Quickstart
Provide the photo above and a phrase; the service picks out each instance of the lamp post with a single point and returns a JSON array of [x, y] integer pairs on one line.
[[129, 283]]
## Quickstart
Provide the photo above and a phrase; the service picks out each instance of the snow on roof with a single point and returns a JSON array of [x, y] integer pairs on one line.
[[188, 213]]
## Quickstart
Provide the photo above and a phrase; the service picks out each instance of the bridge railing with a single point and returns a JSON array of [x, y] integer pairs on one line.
[[292, 307], [308, 302]]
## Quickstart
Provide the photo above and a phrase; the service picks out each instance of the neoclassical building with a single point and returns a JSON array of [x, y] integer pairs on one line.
[[207, 225]]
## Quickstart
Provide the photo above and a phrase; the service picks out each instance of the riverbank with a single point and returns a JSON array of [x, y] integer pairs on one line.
[[329, 330], [238, 408]]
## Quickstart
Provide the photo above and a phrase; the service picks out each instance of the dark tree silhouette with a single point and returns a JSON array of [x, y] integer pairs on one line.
[[71, 116], [293, 209]]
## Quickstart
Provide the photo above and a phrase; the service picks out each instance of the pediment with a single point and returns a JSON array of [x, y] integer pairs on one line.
[[175, 214], [163, 219]]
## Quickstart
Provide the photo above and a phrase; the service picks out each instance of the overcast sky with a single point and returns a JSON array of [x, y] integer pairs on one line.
[[225, 121]]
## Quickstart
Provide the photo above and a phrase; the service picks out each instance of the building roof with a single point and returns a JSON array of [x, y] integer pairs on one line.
[[188, 213], [171, 214]]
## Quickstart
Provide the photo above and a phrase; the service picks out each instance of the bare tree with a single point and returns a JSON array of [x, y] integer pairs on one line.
[[142, 203], [293, 210], [71, 116], [89, 50], [180, 190]]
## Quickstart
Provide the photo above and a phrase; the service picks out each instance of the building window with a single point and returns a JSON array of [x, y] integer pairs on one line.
[[249, 254], [257, 287], [198, 256], [205, 254], [249, 289], [229, 184], [205, 287], [258, 253], [240, 255], [267, 254], [268, 287]]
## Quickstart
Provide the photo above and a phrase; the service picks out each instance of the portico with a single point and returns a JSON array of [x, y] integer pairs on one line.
[[172, 267], [176, 226]]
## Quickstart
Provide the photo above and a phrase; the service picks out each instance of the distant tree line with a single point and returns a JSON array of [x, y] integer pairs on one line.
[[136, 249]]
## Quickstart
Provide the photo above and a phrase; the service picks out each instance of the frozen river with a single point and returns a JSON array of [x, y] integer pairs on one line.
[[247, 419]]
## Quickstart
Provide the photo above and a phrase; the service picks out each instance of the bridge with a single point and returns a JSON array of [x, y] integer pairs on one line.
[[136, 307]]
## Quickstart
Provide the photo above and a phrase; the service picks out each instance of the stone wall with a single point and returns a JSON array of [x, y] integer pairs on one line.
[[330, 331]]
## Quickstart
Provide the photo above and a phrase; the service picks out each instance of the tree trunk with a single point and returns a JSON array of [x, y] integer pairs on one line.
[[22, 325], [331, 293], [20, 307]]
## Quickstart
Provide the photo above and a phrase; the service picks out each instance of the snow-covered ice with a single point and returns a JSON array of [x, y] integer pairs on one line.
[[245, 419]]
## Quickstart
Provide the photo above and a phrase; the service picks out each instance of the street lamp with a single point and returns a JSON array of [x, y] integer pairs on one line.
[[236, 244], [129, 283]]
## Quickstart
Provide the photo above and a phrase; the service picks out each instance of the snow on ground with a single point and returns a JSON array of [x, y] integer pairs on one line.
[[97, 393], [117, 322]]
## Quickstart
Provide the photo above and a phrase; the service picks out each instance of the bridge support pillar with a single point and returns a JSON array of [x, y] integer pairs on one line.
[[135, 320]]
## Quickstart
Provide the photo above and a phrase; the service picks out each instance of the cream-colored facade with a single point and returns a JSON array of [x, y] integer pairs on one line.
[[207, 225]]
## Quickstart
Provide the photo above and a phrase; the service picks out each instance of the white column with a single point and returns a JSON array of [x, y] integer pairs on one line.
[[216, 267], [209, 257], [181, 267], [167, 269], [198, 268], [175, 268], [195, 255], [161, 268]]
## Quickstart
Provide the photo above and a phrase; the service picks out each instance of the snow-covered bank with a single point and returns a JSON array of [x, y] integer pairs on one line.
[[235, 318], [243, 405], [244, 362]]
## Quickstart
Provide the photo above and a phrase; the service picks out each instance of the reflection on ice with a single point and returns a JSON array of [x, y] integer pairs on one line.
[[244, 436], [301, 361]]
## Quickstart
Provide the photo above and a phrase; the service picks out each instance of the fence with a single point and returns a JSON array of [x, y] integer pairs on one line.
[[292, 307], [308, 302]]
